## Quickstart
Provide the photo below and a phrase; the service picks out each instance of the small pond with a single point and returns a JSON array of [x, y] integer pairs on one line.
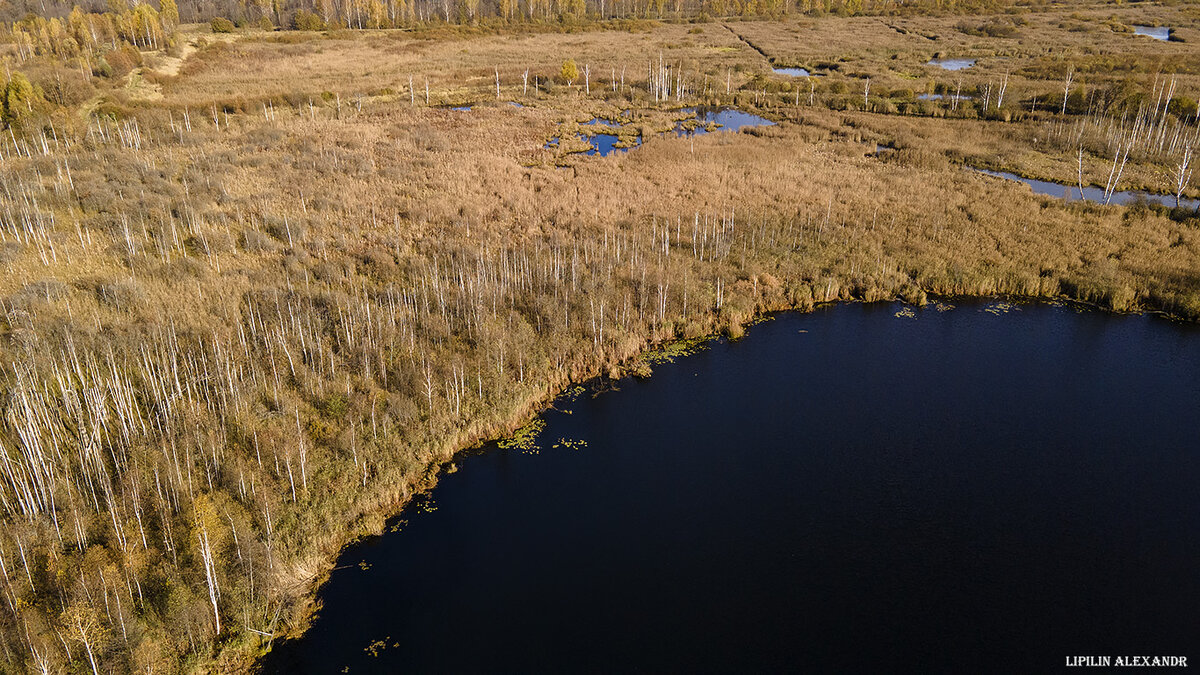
[[952, 64], [1093, 193], [791, 72], [1157, 32], [606, 144], [601, 144], [939, 97], [726, 119]]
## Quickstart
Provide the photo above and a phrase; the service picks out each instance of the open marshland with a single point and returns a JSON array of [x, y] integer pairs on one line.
[[261, 284]]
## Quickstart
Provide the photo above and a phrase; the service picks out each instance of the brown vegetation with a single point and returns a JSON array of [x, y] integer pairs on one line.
[[245, 321]]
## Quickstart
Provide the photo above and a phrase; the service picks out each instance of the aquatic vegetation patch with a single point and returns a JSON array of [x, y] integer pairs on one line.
[[571, 444], [670, 351], [376, 647], [525, 438], [999, 308], [906, 313]]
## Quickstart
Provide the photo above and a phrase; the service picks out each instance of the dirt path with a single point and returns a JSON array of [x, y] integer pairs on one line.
[[170, 65], [136, 85]]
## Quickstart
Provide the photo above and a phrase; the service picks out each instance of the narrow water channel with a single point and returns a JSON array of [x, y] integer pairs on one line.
[[1093, 193]]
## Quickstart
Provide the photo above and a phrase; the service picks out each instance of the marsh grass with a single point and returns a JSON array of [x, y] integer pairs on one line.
[[245, 322]]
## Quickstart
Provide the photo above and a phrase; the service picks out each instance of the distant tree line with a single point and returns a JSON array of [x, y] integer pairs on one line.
[[133, 20], [83, 33]]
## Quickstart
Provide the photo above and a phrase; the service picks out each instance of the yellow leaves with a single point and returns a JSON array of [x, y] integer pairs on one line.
[[208, 518], [571, 443], [169, 15], [83, 623], [570, 71]]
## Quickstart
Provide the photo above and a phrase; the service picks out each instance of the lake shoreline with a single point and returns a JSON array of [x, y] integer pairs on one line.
[[385, 519]]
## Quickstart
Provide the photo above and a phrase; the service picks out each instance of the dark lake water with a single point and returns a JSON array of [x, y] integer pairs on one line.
[[983, 489]]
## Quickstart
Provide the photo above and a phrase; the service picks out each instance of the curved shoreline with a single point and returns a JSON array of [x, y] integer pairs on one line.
[[433, 471]]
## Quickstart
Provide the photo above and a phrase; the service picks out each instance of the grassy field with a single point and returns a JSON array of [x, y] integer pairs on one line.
[[259, 288]]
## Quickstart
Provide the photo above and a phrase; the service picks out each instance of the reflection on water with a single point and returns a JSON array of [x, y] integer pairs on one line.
[[1156, 32], [1091, 192], [726, 119], [952, 64], [793, 72], [598, 144], [700, 118], [606, 144]]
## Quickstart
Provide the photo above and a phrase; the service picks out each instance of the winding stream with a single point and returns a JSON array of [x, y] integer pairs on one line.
[[1093, 193]]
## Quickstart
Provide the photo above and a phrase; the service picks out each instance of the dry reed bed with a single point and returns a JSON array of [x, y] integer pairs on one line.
[[455, 69], [236, 343]]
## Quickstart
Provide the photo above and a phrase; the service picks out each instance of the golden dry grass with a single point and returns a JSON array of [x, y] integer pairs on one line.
[[331, 270]]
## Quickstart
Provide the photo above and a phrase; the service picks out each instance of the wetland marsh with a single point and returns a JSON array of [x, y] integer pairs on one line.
[[265, 275]]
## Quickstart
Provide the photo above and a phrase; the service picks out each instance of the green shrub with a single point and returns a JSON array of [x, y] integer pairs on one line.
[[334, 405], [305, 20], [19, 99], [221, 25], [1182, 107]]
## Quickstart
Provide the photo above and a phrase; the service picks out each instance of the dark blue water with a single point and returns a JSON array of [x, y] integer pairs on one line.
[[606, 144], [847, 491], [599, 144]]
